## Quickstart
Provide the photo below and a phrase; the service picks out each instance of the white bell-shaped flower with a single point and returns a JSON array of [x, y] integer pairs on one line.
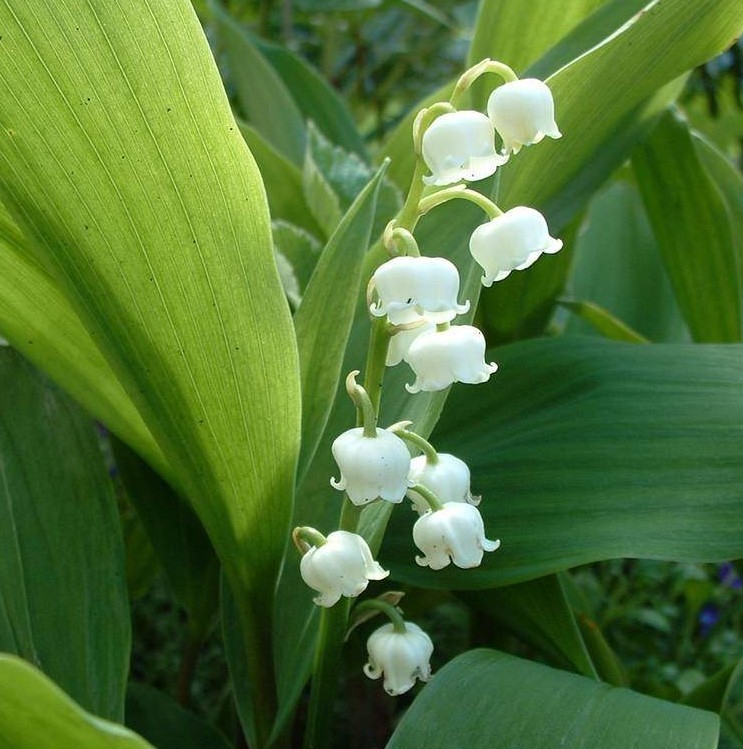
[[448, 478], [460, 146], [402, 657], [455, 533], [371, 467], [442, 357], [523, 112], [512, 241], [427, 286], [342, 566], [400, 342]]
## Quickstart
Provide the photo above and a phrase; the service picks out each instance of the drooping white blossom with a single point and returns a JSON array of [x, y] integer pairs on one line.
[[523, 112], [448, 478], [511, 241], [400, 342], [401, 657], [371, 467], [455, 533], [442, 357], [342, 566], [426, 285], [460, 146]]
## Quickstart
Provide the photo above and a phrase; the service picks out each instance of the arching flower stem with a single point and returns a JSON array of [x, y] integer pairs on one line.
[[433, 501], [398, 240], [470, 76], [305, 537], [392, 612], [366, 412], [415, 439], [459, 192]]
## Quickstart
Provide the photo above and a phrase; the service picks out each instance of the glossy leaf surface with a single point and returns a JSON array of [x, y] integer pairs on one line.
[[494, 699], [586, 450]]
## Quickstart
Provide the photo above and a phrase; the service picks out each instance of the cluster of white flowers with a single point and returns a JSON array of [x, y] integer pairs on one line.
[[417, 298]]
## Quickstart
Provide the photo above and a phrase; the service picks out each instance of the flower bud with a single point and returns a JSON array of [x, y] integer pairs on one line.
[[402, 657], [426, 285], [460, 146], [342, 566], [371, 467], [448, 478], [512, 241], [441, 358], [455, 533], [522, 112]]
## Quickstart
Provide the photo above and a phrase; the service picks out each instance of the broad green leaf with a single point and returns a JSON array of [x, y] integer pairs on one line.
[[602, 321], [486, 699], [40, 323], [538, 613], [180, 541], [317, 100], [36, 714], [283, 183], [159, 719], [585, 449], [518, 33], [618, 266], [63, 597], [124, 168], [692, 227], [264, 100], [604, 20], [322, 329]]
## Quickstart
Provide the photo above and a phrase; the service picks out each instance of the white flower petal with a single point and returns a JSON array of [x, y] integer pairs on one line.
[[342, 566], [371, 467], [512, 241], [448, 478], [441, 358], [455, 532], [523, 112], [460, 146], [402, 657]]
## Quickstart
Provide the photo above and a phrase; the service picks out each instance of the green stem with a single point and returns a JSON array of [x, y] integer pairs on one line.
[[408, 216], [433, 501], [305, 538], [397, 236], [391, 611], [424, 445], [334, 620], [470, 76], [459, 192], [366, 412]]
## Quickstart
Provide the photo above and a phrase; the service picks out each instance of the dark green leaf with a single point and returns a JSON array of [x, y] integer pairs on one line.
[[585, 449], [180, 541], [693, 231], [63, 597], [538, 613], [603, 321], [486, 699]]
